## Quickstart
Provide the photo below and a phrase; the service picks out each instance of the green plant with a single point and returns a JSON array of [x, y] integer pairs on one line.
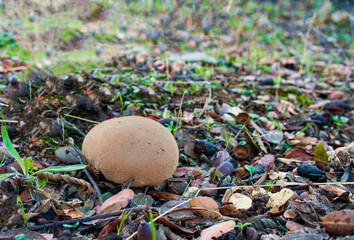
[[26, 164], [19, 201], [2, 156], [152, 225], [281, 225], [339, 120], [7, 38], [228, 137], [172, 127], [250, 169], [276, 122], [241, 226], [268, 108], [71, 225], [209, 125], [121, 222], [277, 83], [304, 129], [270, 184], [20, 236], [171, 88], [205, 72]]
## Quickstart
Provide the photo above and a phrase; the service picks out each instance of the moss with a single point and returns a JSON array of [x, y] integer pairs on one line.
[[107, 37], [69, 34], [303, 100], [70, 66]]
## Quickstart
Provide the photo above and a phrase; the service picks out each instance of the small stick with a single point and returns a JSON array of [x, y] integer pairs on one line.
[[73, 125], [83, 219], [83, 119], [277, 185], [68, 179], [8, 121], [154, 220], [20, 68], [98, 191], [207, 101]]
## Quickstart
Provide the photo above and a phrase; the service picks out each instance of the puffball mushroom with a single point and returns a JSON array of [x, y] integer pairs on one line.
[[132, 147]]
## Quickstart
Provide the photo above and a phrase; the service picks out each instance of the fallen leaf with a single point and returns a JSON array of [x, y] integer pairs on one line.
[[240, 201], [73, 213], [204, 202], [164, 196], [336, 95], [339, 223], [280, 198], [217, 230], [118, 201], [266, 161], [300, 153]]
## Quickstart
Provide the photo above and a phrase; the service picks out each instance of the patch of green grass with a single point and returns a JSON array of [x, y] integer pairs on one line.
[[107, 37], [64, 67], [69, 34], [15, 51]]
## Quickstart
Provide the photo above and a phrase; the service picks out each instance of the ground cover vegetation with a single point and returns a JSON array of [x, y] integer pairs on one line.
[[257, 94]]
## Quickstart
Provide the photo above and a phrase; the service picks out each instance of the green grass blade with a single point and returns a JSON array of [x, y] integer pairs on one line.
[[152, 225], [10, 148], [62, 169], [4, 175]]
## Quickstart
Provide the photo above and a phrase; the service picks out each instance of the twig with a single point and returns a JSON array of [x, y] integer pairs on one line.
[[305, 39], [206, 104], [8, 121], [187, 82], [154, 220], [276, 185], [83, 219], [68, 179], [20, 68], [83, 119], [179, 114], [80, 157], [73, 125]]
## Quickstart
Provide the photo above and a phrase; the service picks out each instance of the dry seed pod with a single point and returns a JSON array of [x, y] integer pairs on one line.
[[241, 152], [145, 233], [243, 118]]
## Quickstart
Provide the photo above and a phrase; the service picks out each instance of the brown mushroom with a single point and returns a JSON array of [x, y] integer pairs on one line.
[[132, 147]]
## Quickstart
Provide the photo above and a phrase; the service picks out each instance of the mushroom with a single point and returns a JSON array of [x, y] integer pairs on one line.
[[132, 147]]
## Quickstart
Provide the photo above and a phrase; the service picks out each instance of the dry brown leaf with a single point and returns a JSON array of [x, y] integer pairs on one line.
[[280, 198], [73, 213], [266, 160], [339, 223], [204, 202], [118, 201], [217, 230], [241, 201], [164, 196], [336, 95], [301, 140], [318, 105], [207, 203], [299, 152]]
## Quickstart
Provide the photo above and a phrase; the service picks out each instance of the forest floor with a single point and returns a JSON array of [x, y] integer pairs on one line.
[[257, 94]]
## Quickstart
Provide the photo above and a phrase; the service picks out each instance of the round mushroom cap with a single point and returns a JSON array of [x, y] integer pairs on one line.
[[132, 147]]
